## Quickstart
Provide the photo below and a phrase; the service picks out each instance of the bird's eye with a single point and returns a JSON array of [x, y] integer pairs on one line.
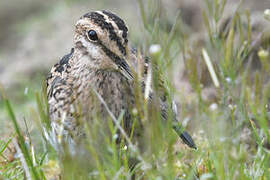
[[92, 35]]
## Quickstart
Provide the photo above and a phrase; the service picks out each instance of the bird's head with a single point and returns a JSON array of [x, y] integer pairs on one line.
[[102, 36]]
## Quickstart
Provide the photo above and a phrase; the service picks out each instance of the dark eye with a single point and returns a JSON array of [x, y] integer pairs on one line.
[[92, 35]]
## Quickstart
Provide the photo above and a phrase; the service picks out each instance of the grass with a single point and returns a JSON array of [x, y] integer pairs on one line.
[[231, 125]]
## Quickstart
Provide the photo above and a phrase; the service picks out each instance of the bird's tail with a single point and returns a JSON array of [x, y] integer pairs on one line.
[[184, 135]]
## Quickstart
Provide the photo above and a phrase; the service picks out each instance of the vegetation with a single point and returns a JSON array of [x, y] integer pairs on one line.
[[227, 108]]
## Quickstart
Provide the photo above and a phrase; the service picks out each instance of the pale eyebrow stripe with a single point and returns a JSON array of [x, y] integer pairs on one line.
[[100, 20], [120, 24], [115, 26]]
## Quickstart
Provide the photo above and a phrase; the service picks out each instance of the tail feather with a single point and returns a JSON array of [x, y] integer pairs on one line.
[[184, 135]]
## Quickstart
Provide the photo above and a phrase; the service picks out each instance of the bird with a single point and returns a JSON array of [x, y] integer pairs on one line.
[[102, 61]]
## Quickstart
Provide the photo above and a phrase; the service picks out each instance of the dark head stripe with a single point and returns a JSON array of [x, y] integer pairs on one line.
[[119, 22], [101, 22], [121, 63]]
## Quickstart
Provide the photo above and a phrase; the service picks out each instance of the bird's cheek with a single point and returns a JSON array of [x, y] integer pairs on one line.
[[108, 64], [94, 52]]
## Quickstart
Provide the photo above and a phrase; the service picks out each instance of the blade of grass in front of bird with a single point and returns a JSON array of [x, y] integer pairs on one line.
[[44, 116], [208, 26], [21, 141], [210, 68], [171, 37], [249, 27], [228, 62], [6, 144]]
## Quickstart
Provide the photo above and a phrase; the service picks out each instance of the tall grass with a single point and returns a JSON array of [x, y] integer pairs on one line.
[[231, 129]]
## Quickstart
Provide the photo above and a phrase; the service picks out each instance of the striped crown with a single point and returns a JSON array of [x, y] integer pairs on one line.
[[112, 36]]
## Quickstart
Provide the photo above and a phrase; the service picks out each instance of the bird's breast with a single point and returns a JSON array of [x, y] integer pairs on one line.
[[115, 89]]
